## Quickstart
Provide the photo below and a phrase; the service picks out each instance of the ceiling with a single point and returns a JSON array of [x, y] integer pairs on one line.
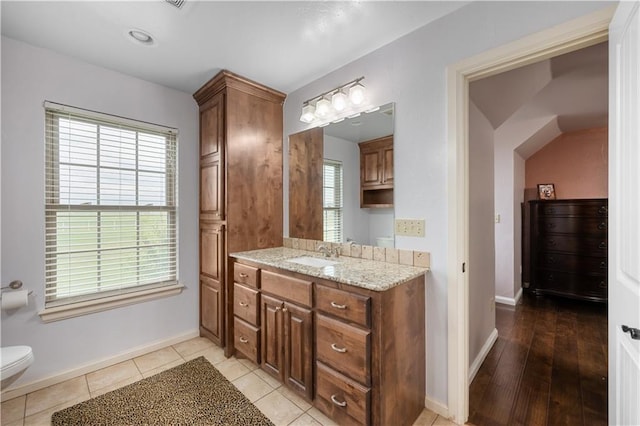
[[284, 44], [572, 87]]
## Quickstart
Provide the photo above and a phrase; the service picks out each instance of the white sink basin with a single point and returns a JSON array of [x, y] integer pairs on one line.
[[315, 262]]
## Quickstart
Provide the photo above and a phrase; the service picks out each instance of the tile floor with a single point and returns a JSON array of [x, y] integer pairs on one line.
[[277, 402]]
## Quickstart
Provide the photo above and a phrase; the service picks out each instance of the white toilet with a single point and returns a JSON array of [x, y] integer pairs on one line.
[[14, 360]]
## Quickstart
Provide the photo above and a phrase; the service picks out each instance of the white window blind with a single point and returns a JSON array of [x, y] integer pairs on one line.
[[332, 201], [110, 205]]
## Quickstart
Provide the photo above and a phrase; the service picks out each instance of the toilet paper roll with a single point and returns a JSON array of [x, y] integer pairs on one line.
[[15, 299]]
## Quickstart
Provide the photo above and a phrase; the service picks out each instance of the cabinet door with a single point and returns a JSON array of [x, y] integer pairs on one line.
[[211, 307], [387, 165], [298, 349], [370, 168], [212, 126], [272, 336], [212, 159], [212, 250]]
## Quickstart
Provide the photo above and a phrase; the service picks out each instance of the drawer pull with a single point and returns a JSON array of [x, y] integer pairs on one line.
[[602, 284], [243, 340], [338, 403], [337, 306], [243, 304], [551, 243], [603, 265], [602, 245], [337, 349], [603, 210], [243, 275], [550, 210], [602, 226]]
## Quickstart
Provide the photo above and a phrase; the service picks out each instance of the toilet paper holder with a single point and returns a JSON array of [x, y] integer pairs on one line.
[[14, 285]]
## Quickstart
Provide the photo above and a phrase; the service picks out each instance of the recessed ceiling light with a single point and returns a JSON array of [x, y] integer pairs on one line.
[[141, 36]]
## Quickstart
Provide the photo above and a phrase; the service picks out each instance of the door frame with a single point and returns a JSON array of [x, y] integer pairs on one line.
[[569, 36]]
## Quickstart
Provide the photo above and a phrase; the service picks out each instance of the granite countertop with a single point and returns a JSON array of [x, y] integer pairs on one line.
[[369, 274]]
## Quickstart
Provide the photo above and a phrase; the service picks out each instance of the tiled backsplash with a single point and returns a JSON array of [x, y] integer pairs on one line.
[[380, 254]]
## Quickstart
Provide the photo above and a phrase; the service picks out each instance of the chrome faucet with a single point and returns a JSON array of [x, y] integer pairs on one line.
[[325, 250]]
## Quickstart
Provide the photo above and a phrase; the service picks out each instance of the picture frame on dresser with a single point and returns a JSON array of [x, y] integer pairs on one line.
[[546, 191]]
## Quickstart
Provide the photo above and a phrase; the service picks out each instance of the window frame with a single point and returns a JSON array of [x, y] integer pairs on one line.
[[70, 306], [340, 209]]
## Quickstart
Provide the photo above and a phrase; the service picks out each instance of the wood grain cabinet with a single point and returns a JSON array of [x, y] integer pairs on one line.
[[569, 248], [376, 172], [358, 355], [240, 187]]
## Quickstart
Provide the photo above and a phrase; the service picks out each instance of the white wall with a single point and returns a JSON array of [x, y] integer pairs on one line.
[[356, 220], [411, 72], [481, 232], [31, 75]]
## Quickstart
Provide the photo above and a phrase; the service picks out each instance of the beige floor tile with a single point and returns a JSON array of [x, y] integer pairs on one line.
[[304, 420], [426, 418], [215, 355], [113, 374], [43, 418], [232, 369], [441, 421], [278, 409], [252, 386], [162, 368], [193, 345], [249, 364], [13, 409], [60, 393], [294, 397], [115, 386], [19, 422], [320, 417], [274, 383], [156, 359]]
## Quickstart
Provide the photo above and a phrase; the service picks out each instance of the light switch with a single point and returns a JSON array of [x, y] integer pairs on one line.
[[410, 227]]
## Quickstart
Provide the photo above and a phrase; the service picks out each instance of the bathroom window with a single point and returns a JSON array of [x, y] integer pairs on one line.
[[111, 208], [332, 201]]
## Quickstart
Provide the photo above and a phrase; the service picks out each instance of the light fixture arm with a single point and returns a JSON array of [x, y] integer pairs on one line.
[[332, 91]]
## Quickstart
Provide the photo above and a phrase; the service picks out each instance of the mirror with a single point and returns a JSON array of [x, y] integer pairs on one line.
[[321, 158]]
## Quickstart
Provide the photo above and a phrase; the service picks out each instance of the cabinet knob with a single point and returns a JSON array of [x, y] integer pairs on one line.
[[602, 226], [243, 340], [334, 399], [278, 308], [603, 210], [551, 260], [602, 284], [551, 243], [284, 309], [603, 264], [602, 245], [243, 304], [337, 349], [337, 306], [550, 277]]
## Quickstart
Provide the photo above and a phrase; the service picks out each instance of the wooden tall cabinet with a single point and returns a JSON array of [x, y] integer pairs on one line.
[[240, 186], [376, 172]]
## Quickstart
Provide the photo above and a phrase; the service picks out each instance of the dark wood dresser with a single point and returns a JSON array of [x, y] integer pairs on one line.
[[569, 248]]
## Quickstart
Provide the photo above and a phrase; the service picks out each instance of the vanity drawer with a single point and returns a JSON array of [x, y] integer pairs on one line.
[[344, 348], [247, 275], [247, 339], [288, 288], [342, 304], [245, 303], [342, 399]]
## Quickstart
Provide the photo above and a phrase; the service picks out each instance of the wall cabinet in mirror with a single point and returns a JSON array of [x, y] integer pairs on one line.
[[376, 172]]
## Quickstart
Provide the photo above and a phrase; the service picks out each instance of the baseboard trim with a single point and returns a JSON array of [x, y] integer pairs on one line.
[[508, 300], [437, 407], [10, 393], [484, 351]]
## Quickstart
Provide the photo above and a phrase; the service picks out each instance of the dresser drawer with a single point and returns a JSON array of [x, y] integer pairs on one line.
[[246, 275], [344, 348], [246, 304], [342, 304], [247, 339], [573, 263], [586, 209], [288, 288], [342, 399], [573, 244], [574, 225]]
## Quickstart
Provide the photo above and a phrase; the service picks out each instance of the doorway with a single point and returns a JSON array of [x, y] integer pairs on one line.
[[577, 34]]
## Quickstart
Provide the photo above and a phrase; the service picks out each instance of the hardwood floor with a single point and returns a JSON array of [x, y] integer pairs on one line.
[[548, 366]]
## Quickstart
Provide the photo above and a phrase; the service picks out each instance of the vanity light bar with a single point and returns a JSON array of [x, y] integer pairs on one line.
[[334, 104]]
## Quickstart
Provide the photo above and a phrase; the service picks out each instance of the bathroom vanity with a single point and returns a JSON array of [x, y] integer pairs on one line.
[[347, 334]]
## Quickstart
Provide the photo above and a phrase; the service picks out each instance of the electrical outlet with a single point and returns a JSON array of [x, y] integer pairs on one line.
[[410, 227]]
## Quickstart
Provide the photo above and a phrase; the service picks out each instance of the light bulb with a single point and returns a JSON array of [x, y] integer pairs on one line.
[[356, 94], [339, 101], [308, 113], [323, 107]]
